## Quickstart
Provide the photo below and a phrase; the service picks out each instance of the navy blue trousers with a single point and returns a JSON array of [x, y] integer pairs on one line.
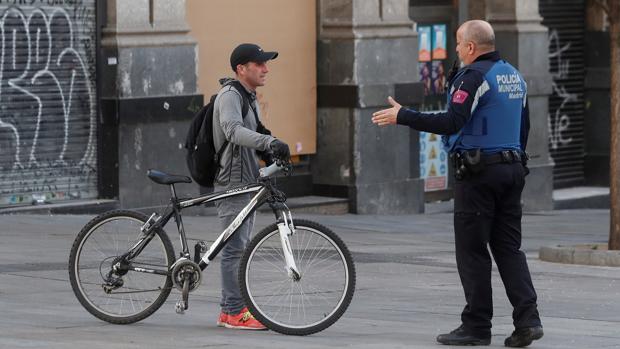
[[487, 216]]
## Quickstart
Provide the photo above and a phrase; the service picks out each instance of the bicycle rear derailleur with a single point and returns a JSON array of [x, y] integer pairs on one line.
[[186, 276], [114, 278]]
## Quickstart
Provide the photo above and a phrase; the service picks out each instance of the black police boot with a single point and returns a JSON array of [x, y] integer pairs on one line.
[[522, 337], [461, 336]]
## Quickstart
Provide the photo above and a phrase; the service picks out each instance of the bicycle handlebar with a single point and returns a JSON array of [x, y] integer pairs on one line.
[[270, 170]]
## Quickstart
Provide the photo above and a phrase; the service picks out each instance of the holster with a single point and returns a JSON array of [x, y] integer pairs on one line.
[[524, 159], [473, 160], [468, 162]]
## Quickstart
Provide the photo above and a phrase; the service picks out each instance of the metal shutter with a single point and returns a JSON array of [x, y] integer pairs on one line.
[[565, 20], [47, 101]]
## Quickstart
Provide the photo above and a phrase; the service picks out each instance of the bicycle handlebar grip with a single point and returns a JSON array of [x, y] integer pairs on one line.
[[269, 170]]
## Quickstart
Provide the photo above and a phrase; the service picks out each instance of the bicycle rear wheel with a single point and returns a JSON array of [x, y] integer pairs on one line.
[[134, 295], [310, 304]]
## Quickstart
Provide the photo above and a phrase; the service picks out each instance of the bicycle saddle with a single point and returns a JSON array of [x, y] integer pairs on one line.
[[164, 178]]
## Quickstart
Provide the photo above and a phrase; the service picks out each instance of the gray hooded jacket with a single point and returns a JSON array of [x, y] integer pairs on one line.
[[239, 160]]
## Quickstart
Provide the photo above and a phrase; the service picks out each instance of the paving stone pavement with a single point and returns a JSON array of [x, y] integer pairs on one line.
[[408, 290]]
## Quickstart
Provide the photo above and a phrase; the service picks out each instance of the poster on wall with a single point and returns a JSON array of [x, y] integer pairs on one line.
[[439, 42], [424, 40], [438, 77], [432, 54], [425, 70], [433, 162]]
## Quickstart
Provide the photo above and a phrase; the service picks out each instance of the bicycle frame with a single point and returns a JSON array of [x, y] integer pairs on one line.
[[262, 191]]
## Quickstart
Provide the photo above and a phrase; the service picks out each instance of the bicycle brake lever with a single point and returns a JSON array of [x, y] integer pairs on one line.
[[287, 168]]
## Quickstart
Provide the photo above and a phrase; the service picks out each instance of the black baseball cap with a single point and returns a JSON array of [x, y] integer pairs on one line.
[[245, 53]]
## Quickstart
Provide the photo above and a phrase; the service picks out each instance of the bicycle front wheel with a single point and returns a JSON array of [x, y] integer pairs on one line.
[[127, 295], [304, 306]]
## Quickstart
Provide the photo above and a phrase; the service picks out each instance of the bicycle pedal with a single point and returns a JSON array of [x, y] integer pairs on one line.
[[203, 246], [200, 248], [179, 307]]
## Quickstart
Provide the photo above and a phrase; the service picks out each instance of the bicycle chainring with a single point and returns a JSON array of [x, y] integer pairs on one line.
[[186, 269]]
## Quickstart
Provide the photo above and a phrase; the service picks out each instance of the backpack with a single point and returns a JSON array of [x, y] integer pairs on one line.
[[202, 160]]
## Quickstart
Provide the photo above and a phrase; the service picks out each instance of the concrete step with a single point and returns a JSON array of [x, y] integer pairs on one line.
[[64, 207], [302, 204], [581, 197], [316, 205]]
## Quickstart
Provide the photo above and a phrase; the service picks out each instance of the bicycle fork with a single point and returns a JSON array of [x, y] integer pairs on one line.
[[286, 228]]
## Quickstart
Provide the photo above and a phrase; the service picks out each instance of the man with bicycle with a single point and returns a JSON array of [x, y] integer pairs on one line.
[[239, 164], [486, 130]]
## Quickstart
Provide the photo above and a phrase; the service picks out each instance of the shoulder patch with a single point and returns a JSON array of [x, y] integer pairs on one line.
[[459, 97]]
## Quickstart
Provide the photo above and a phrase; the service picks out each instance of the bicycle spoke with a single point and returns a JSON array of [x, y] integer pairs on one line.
[[313, 254], [280, 287], [269, 262], [98, 249], [322, 271]]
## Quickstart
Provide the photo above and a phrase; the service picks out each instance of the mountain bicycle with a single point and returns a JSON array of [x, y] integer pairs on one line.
[[297, 277]]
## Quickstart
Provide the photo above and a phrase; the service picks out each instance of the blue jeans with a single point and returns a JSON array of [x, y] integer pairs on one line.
[[232, 302]]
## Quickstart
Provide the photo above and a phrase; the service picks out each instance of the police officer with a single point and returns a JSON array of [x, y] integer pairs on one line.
[[485, 130]]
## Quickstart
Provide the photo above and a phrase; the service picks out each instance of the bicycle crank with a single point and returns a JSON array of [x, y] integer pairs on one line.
[[183, 303], [184, 269]]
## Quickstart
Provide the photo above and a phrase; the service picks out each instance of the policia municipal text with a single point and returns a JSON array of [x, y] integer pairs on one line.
[[485, 130]]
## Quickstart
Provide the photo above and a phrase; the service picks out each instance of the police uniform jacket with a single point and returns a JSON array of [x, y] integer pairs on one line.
[[487, 109]]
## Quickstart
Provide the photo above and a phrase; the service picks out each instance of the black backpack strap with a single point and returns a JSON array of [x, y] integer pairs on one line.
[[244, 110], [244, 106], [245, 98], [260, 127], [220, 152]]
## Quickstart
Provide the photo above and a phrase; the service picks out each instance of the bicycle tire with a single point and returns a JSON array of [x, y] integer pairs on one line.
[[259, 255], [83, 267]]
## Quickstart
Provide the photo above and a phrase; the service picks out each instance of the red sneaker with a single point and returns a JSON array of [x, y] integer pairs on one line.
[[221, 321], [242, 321]]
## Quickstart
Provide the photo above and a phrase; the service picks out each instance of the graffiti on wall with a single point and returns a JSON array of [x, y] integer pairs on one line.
[[558, 121], [47, 100]]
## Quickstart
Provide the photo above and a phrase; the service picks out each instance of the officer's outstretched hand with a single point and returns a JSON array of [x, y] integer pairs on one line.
[[280, 150], [387, 116]]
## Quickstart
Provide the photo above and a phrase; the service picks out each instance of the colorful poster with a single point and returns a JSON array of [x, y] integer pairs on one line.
[[425, 70], [439, 41], [431, 55], [433, 162], [439, 78], [424, 41]]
